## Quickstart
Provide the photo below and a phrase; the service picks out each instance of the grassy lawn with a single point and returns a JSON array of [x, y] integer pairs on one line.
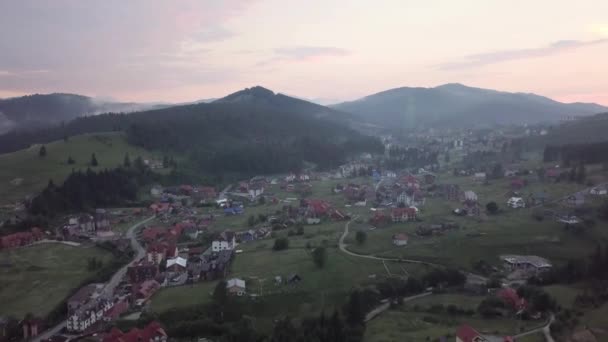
[[183, 296], [403, 325], [37, 278], [109, 148]]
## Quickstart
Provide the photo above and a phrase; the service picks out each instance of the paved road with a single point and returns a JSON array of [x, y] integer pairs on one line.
[[383, 307], [140, 252]]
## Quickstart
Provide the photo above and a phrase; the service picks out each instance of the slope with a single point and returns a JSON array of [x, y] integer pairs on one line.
[[24, 172], [459, 105]]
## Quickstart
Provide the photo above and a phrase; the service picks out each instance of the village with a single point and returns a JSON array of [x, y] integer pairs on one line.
[[403, 221]]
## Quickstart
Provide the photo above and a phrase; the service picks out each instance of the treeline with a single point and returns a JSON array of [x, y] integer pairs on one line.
[[83, 191], [593, 268], [577, 153]]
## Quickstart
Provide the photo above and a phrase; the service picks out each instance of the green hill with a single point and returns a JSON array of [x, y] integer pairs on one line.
[[24, 172]]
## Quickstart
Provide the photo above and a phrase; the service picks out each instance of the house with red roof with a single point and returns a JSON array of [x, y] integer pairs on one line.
[[21, 239], [153, 332], [317, 208], [403, 214], [511, 299], [400, 239], [143, 291], [151, 234], [517, 183], [142, 271], [158, 251], [466, 333]]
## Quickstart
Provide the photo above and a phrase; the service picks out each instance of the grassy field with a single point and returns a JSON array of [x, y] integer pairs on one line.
[[35, 279], [510, 232], [35, 172], [538, 337], [405, 325]]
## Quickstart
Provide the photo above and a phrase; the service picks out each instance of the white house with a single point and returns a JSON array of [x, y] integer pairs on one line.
[[599, 191], [90, 313], [400, 239], [236, 287], [479, 176], [526, 262], [470, 196], [255, 191], [516, 202], [226, 241]]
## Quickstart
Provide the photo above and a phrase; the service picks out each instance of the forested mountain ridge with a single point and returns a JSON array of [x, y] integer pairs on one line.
[[43, 110], [459, 105], [262, 133]]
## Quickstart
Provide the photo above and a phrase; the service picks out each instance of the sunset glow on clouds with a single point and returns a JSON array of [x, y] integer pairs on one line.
[[157, 50]]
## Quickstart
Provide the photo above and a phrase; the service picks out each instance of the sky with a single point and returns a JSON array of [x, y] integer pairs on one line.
[[326, 50]]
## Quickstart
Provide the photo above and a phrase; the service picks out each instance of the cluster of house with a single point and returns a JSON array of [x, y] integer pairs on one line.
[[382, 217], [87, 225], [21, 239], [405, 190], [470, 204], [252, 189], [315, 210], [91, 306], [358, 195]]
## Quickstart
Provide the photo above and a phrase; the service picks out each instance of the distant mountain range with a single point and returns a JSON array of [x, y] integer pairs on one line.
[[39, 111], [456, 105], [450, 105]]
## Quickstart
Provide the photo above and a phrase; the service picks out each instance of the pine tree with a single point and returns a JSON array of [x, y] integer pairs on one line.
[[581, 174], [71, 161], [42, 151], [94, 160], [127, 161], [165, 162]]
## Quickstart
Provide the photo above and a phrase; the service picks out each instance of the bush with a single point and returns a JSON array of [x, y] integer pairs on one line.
[[361, 237], [280, 244], [492, 208], [319, 257]]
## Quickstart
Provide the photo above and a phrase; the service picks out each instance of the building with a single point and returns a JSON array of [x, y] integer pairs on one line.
[[153, 332], [516, 202], [143, 291], [142, 271], [236, 287], [599, 191], [31, 327], [466, 333], [479, 176], [470, 196], [400, 239], [177, 265], [21, 238], [403, 214], [226, 241], [158, 251], [532, 263], [88, 314], [576, 200]]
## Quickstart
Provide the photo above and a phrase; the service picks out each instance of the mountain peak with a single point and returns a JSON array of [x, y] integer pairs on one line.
[[248, 94]]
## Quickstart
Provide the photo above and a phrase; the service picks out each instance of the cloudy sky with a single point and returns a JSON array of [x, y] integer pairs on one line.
[[168, 50]]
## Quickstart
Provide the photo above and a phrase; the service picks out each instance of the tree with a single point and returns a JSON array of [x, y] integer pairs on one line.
[[446, 158], [127, 161], [581, 173], [280, 244], [165, 162], [42, 151], [220, 293], [94, 160], [497, 171], [355, 313], [361, 236], [319, 256], [251, 221], [139, 164], [71, 161], [492, 208]]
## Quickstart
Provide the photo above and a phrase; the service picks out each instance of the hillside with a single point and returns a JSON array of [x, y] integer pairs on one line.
[[25, 172], [459, 105], [43, 110], [249, 132], [265, 98], [584, 130]]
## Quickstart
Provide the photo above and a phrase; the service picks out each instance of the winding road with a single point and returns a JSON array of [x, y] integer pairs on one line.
[[108, 289]]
